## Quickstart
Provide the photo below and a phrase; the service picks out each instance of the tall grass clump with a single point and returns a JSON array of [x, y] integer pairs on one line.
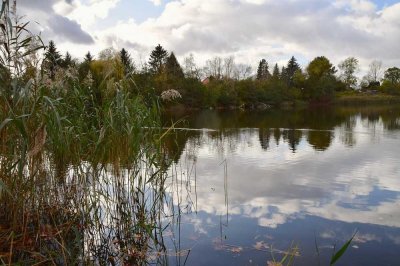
[[82, 168]]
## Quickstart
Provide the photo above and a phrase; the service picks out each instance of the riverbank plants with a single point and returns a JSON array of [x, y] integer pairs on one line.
[[81, 161]]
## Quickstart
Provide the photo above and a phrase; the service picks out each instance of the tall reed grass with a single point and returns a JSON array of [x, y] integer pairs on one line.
[[81, 180]]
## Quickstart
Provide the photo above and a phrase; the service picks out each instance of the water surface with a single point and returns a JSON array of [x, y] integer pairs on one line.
[[248, 186]]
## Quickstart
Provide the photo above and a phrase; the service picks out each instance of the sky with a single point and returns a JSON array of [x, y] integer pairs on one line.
[[249, 30]]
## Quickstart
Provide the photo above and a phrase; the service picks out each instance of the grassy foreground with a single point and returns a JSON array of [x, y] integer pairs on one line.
[[82, 167]]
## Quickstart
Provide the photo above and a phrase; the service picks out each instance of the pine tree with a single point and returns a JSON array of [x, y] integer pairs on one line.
[[263, 70], [52, 60], [88, 57], [173, 68], [67, 61], [260, 70], [284, 74], [157, 59], [84, 67], [126, 61], [276, 74], [291, 68]]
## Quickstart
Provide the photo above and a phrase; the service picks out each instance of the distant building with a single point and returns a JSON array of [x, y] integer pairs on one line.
[[206, 81]]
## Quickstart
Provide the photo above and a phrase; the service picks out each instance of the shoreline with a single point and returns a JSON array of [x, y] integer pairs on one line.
[[341, 100]]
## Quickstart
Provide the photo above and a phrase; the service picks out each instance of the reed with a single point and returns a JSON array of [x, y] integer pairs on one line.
[[81, 180]]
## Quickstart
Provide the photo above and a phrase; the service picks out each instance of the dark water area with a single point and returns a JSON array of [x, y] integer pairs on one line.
[[249, 186]]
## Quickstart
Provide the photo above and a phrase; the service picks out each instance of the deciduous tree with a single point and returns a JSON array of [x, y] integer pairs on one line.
[[375, 71], [348, 69], [393, 75]]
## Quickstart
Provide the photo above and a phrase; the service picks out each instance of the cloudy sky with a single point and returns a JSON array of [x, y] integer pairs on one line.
[[248, 29]]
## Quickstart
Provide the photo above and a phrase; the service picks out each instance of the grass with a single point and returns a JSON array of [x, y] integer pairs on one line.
[[365, 99]]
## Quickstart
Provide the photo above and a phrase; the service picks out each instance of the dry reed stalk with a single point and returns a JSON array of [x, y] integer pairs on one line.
[[40, 140]]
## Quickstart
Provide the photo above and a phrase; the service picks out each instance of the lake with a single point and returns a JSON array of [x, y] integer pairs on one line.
[[248, 187]]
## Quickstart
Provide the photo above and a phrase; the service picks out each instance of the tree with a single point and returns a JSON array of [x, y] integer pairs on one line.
[[126, 61], [291, 69], [321, 82], [375, 71], [284, 75], [107, 54], [276, 74], [191, 69], [242, 71], [157, 59], [213, 68], [348, 69], [392, 75], [84, 67], [88, 58], [173, 68], [391, 82], [229, 67], [263, 70], [52, 60], [319, 67], [67, 61]]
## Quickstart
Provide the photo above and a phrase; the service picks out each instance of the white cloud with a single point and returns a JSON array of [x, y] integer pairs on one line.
[[89, 14], [156, 2], [337, 184], [247, 29]]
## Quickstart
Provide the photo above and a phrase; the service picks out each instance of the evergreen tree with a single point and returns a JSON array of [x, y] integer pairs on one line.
[[67, 61], [276, 74], [52, 60], [263, 70], [84, 67], [284, 75], [126, 61], [291, 69], [173, 68], [157, 59], [88, 58]]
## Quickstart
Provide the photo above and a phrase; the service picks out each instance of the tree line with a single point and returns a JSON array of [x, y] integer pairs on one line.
[[221, 82]]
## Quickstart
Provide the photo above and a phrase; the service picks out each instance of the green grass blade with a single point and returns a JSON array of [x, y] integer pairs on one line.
[[342, 250]]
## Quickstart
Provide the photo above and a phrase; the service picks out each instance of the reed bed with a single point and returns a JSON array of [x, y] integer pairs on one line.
[[82, 165]]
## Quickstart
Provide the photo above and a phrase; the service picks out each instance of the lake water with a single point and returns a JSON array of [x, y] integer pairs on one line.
[[249, 186]]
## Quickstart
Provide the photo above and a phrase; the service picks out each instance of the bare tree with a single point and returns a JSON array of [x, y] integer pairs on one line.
[[229, 67], [242, 71], [108, 54], [375, 71], [214, 67], [190, 68]]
